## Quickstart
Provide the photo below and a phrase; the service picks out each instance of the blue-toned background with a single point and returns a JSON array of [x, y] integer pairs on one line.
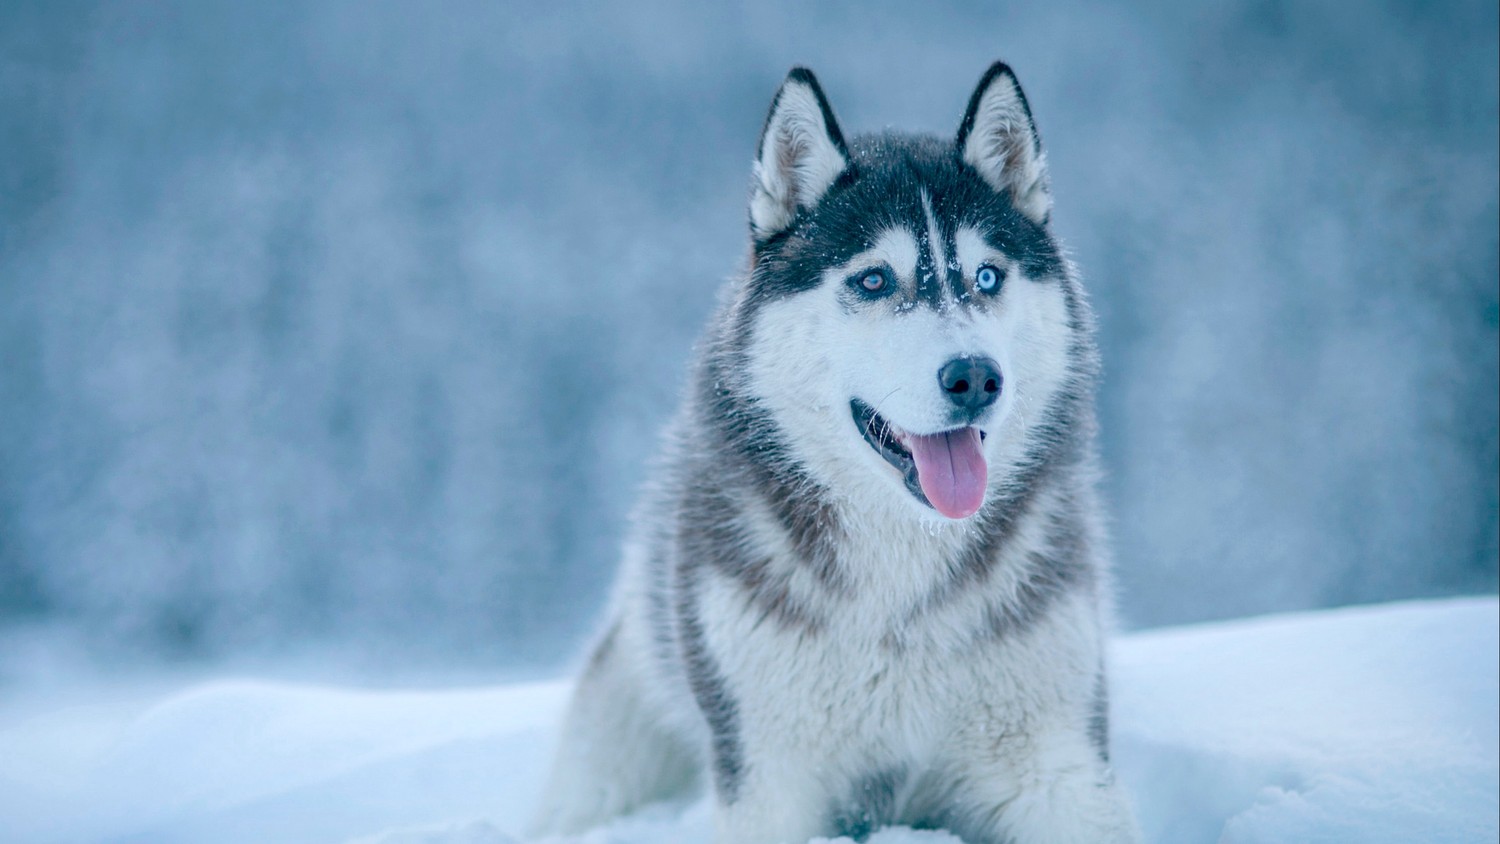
[[349, 326]]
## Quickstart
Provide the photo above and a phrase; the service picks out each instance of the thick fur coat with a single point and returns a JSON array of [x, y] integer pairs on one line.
[[867, 583]]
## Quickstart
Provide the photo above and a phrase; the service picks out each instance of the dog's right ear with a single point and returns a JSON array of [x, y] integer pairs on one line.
[[801, 155]]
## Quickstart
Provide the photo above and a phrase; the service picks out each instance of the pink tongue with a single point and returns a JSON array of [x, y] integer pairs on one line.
[[951, 470]]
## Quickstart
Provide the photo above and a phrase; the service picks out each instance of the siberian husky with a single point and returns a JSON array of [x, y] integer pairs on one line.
[[867, 585]]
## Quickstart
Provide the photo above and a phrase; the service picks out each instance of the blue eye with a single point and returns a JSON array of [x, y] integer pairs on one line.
[[988, 278], [873, 281]]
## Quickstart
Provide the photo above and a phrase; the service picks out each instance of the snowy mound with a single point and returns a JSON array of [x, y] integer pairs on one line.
[[1361, 725]]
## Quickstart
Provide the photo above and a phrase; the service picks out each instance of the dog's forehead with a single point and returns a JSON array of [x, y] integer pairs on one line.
[[915, 184], [893, 184], [918, 183]]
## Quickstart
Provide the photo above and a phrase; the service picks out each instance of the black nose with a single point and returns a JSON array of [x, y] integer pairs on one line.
[[972, 383]]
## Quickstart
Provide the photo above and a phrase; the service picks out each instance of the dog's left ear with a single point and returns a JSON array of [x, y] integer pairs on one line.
[[801, 155], [998, 138]]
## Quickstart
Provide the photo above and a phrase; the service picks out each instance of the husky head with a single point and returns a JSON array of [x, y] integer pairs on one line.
[[912, 325]]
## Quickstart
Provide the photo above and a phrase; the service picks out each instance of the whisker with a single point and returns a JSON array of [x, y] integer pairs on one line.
[[885, 434]]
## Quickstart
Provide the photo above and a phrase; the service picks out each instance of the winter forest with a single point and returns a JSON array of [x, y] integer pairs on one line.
[[335, 337]]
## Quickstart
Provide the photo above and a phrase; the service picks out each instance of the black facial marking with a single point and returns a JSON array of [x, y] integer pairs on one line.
[[957, 288], [929, 288], [883, 188]]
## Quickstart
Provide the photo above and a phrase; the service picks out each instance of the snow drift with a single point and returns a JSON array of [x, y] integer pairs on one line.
[[1374, 724]]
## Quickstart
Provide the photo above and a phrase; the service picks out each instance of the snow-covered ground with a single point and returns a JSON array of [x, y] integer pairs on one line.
[[1373, 724]]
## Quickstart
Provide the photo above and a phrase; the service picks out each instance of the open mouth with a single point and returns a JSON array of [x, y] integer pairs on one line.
[[946, 471]]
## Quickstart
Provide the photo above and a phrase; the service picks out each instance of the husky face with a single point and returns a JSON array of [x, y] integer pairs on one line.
[[915, 287]]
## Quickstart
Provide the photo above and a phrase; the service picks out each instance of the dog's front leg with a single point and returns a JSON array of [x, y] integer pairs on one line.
[[1045, 786], [770, 770], [774, 801]]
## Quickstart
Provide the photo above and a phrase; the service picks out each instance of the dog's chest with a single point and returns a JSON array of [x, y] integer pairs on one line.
[[881, 658]]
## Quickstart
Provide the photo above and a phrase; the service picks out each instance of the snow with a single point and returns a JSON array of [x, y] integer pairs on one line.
[[1367, 725], [1373, 724]]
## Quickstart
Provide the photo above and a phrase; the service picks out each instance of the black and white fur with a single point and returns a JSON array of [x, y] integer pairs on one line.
[[792, 616]]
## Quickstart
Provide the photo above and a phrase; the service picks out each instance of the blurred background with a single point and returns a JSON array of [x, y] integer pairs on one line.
[[342, 331]]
